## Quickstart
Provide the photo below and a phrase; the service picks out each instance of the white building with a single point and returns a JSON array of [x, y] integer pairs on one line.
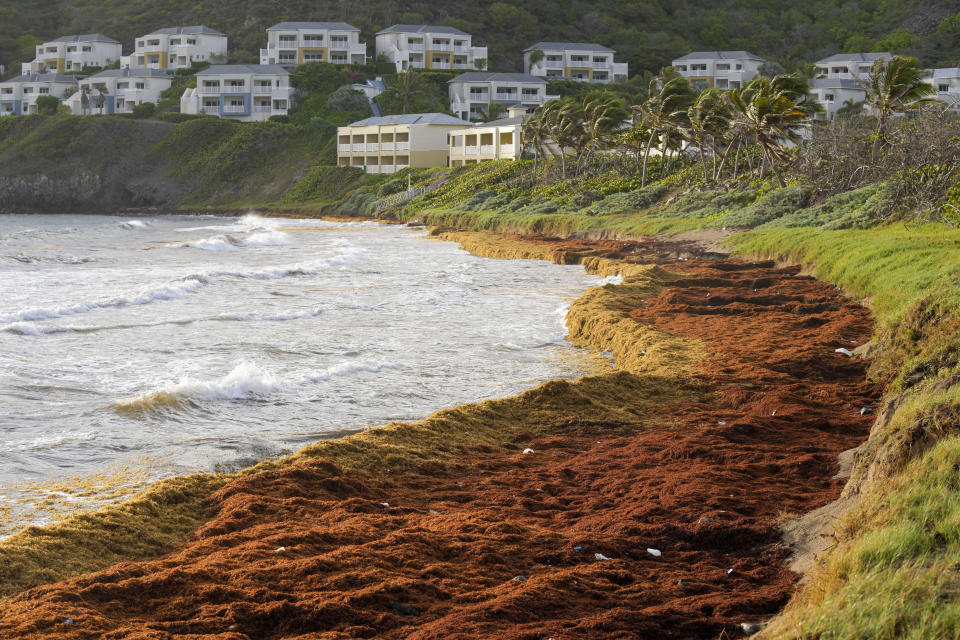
[[18, 95], [497, 140], [582, 61], [122, 90], [176, 48], [947, 83], [835, 93], [390, 143], [73, 53], [244, 92], [293, 43], [472, 93], [720, 69], [849, 66], [430, 47]]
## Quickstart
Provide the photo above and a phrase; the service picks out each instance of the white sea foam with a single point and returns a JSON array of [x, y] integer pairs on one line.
[[265, 239], [347, 368], [617, 279], [214, 243], [134, 224]]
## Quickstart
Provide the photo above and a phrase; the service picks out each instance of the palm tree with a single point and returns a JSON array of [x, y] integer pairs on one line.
[[602, 114], [893, 86], [564, 127], [771, 112], [536, 133], [707, 121], [664, 111], [406, 87]]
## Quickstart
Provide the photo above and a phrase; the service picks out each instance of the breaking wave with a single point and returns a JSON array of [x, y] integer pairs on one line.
[[134, 224]]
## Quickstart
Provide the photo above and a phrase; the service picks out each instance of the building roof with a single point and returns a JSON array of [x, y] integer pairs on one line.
[[333, 26], [131, 73], [87, 37], [834, 83], [42, 77], [946, 72], [567, 46], [483, 76], [230, 69], [411, 118], [423, 28], [856, 57], [186, 31], [504, 122], [718, 55]]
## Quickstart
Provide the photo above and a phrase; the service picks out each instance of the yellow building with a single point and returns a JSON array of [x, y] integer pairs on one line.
[[388, 144], [497, 140]]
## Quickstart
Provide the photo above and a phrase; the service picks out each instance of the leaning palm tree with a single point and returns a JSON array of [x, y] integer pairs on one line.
[[707, 122], [893, 86], [536, 134], [664, 111], [406, 87], [564, 126], [602, 115], [769, 115]]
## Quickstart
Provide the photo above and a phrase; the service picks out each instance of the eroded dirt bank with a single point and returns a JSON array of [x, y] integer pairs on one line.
[[504, 544]]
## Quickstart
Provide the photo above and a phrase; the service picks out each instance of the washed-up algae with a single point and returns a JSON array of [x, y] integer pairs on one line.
[[637, 504]]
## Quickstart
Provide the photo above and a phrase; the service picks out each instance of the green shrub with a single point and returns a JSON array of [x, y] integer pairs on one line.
[[144, 110], [360, 203], [776, 204], [628, 202], [324, 184], [858, 209], [177, 117]]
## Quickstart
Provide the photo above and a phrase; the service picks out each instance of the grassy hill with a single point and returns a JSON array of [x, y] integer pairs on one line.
[[645, 33]]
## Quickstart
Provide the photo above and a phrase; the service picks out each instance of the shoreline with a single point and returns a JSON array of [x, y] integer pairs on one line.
[[668, 365]]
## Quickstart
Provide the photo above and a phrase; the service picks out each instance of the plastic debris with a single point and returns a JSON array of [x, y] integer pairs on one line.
[[705, 519], [729, 571], [600, 556], [529, 451], [722, 422], [68, 621], [750, 628], [578, 548], [844, 351], [866, 411], [520, 578], [279, 549], [406, 610], [656, 553], [432, 511], [384, 504]]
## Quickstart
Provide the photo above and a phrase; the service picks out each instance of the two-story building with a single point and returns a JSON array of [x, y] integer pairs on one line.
[[411, 46], [176, 48], [849, 66], [293, 43], [946, 81], [720, 69], [581, 61], [118, 91], [834, 94], [18, 95], [388, 144], [73, 53], [472, 93], [244, 92], [496, 140]]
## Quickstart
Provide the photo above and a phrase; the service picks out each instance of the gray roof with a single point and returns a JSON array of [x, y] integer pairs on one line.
[[718, 55], [228, 69], [575, 46], [856, 57], [423, 28], [335, 26], [504, 122], [87, 37], [834, 83], [412, 118], [187, 31], [947, 72], [483, 76], [42, 77], [131, 73]]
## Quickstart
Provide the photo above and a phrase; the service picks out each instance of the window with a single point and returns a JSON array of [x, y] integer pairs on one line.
[[140, 85], [723, 67], [175, 41], [140, 44], [28, 89], [313, 37], [828, 97], [943, 88], [44, 90]]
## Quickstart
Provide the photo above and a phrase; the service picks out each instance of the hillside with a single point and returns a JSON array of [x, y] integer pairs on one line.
[[645, 33]]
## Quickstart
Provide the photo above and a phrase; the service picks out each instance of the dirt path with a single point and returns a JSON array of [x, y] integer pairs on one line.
[[550, 544]]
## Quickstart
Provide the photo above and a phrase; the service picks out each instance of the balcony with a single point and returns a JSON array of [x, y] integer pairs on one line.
[[403, 146], [462, 48], [508, 149], [387, 146], [441, 47], [441, 65], [232, 108], [373, 146], [415, 46], [210, 91], [262, 89], [359, 146], [343, 148], [464, 65], [506, 96], [470, 150], [487, 149], [479, 97], [605, 64], [553, 64], [263, 108], [372, 168]]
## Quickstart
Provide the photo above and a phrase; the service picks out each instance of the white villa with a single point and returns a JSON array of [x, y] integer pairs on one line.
[[720, 69], [18, 95], [73, 53], [497, 140], [430, 47], [834, 93], [947, 83], [849, 66], [176, 48], [582, 61], [472, 93], [122, 89], [390, 143], [244, 92], [293, 43]]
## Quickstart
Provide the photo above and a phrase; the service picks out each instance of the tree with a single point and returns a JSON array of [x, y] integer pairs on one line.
[[602, 115], [536, 134], [707, 121], [895, 85], [144, 110], [664, 111], [536, 56], [47, 105], [346, 98], [406, 87]]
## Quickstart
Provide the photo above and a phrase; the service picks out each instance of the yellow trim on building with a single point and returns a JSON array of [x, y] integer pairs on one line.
[[302, 50], [428, 58], [568, 72]]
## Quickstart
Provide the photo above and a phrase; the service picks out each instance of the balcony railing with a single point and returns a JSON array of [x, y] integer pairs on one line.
[[403, 146], [470, 150], [506, 96], [507, 148], [373, 146], [263, 108], [358, 146], [553, 64], [487, 149], [415, 46], [440, 47], [464, 65], [441, 65], [601, 65], [210, 90], [262, 89], [372, 168], [343, 148], [231, 108], [387, 146]]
